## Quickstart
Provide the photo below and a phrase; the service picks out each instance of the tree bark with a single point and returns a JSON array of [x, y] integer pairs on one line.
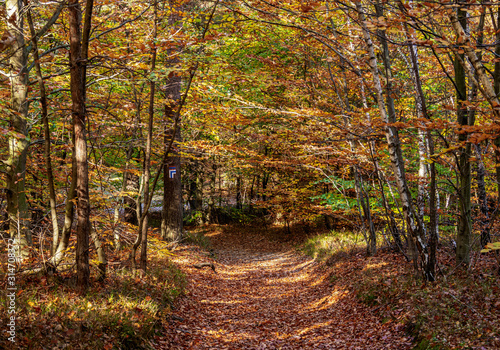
[[239, 204], [45, 122], [172, 213], [464, 185], [415, 226], [77, 64], [426, 148], [17, 206], [142, 235]]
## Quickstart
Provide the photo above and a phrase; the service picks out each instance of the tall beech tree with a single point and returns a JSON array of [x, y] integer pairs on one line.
[[78, 79], [172, 211]]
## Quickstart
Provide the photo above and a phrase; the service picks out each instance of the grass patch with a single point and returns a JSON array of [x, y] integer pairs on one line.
[[333, 244]]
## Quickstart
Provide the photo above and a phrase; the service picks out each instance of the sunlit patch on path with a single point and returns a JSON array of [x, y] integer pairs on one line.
[[265, 295]]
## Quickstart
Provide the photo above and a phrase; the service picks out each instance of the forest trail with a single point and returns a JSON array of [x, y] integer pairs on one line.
[[266, 295]]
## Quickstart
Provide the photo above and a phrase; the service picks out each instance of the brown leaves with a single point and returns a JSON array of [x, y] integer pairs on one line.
[[6, 40], [268, 296]]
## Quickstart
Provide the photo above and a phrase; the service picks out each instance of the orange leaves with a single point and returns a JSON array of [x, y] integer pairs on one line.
[[268, 296]]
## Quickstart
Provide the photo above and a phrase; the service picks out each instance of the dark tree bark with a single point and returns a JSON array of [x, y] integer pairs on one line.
[[77, 71], [45, 122], [464, 168], [171, 226], [239, 205], [172, 213]]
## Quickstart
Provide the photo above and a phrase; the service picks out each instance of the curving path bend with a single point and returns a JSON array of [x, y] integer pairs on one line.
[[266, 295]]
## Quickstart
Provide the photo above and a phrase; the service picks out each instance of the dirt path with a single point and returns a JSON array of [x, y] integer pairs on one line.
[[266, 295]]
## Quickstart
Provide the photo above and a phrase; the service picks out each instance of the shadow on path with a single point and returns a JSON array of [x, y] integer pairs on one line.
[[266, 295]]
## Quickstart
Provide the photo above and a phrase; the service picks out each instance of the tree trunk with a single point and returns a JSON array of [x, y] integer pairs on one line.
[[172, 215], [130, 212], [238, 192], [173, 209], [17, 206], [77, 72], [464, 184], [415, 226], [143, 221], [45, 121], [426, 148]]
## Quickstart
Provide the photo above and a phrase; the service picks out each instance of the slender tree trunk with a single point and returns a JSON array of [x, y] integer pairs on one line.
[[143, 221], [364, 203], [238, 192], [45, 121], [464, 168], [415, 226], [422, 172], [252, 194], [426, 148], [78, 112]]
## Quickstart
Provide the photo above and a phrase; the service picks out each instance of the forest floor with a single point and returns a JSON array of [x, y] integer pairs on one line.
[[311, 289], [264, 294]]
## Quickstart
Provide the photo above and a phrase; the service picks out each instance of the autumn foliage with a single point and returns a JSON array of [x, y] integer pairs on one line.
[[373, 119]]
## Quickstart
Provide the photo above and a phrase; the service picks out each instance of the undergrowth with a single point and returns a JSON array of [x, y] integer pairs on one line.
[[459, 311], [327, 245], [124, 312]]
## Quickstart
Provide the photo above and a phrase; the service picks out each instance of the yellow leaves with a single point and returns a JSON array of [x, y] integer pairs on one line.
[[447, 150], [491, 246]]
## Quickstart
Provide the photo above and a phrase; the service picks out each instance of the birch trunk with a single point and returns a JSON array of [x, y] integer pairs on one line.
[[415, 226], [488, 91], [426, 150], [17, 206]]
